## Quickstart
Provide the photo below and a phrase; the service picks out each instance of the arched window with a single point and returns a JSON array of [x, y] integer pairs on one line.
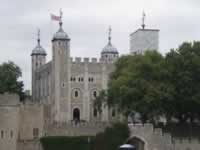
[[35, 132], [95, 112], [76, 93]]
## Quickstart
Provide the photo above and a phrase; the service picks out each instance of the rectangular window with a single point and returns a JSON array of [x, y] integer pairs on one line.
[[11, 134], [2, 134], [35, 132]]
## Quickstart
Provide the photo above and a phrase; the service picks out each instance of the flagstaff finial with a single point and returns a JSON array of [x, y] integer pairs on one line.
[[143, 20], [61, 14], [38, 35], [109, 34]]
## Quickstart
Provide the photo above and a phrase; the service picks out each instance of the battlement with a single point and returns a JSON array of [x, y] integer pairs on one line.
[[8, 99], [148, 128], [86, 60], [186, 141], [75, 129]]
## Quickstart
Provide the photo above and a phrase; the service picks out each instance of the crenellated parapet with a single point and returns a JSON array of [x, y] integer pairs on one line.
[[9, 99], [86, 60], [155, 138]]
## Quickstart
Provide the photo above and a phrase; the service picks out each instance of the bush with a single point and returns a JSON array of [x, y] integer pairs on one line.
[[68, 143], [112, 137]]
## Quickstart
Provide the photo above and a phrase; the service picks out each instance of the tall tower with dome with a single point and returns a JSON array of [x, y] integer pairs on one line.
[[109, 52], [38, 59]]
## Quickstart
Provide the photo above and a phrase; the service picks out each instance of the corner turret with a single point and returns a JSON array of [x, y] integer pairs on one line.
[[109, 52], [38, 59]]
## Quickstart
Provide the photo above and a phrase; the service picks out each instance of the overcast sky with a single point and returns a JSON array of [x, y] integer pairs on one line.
[[87, 21]]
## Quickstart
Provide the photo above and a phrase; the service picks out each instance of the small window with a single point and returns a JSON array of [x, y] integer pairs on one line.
[[2, 134], [63, 84], [76, 94], [82, 79], [35, 132], [113, 113], [11, 134], [95, 112], [79, 79], [95, 94], [91, 79]]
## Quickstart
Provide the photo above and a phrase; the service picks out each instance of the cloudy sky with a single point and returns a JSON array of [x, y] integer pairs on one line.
[[87, 21]]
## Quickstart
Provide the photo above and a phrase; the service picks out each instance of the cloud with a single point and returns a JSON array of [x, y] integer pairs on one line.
[[87, 22]]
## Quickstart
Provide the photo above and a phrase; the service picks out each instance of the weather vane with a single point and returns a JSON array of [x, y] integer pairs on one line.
[[109, 34], [143, 20], [38, 34], [61, 13]]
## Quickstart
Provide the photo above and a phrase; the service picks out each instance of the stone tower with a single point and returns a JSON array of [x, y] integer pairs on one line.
[[144, 39], [61, 75], [109, 52], [38, 59]]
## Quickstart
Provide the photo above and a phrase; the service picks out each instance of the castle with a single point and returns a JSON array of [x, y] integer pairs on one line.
[[63, 92], [68, 87]]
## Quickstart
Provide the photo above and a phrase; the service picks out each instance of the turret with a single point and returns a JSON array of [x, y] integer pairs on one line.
[[109, 52], [38, 59], [61, 73]]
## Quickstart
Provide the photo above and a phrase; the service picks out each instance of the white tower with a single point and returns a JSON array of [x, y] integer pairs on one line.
[[109, 52], [38, 59], [61, 75], [144, 39]]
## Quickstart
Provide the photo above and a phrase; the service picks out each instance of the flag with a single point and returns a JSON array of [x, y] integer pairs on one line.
[[55, 18]]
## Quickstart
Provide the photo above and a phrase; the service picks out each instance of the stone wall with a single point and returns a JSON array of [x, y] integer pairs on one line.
[[31, 121], [73, 129], [155, 139], [9, 121], [29, 145]]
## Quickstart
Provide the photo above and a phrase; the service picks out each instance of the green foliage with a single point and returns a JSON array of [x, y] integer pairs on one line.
[[156, 85], [181, 130], [184, 67], [112, 137], [9, 75], [68, 143], [100, 100], [138, 83]]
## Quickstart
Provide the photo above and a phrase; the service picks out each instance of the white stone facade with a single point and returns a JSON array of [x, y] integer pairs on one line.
[[144, 39], [69, 86]]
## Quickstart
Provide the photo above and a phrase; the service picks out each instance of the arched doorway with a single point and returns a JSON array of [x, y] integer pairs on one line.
[[76, 114], [137, 142]]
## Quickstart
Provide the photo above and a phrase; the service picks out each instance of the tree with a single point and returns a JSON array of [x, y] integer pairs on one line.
[[112, 137], [9, 79], [184, 68], [154, 85], [139, 83]]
